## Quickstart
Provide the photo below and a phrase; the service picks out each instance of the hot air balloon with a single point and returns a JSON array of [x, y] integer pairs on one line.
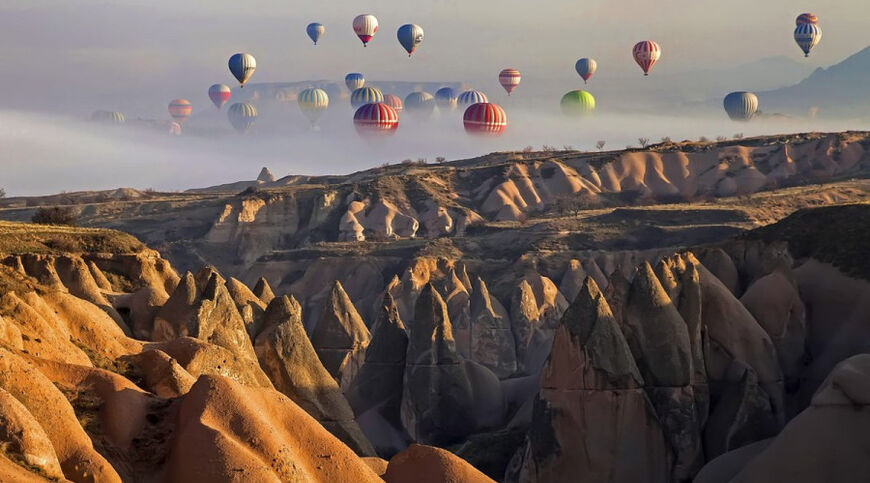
[[315, 31], [410, 36], [242, 67], [219, 95], [394, 101], [807, 35], [242, 116], [470, 97], [174, 128], [313, 103], [445, 97], [108, 117], [806, 18], [421, 104], [509, 79], [586, 67], [180, 109], [485, 119], [741, 106], [365, 95], [365, 26], [577, 103], [646, 54], [376, 119], [354, 81]]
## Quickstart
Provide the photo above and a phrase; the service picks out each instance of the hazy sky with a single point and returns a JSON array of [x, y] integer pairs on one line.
[[62, 59]]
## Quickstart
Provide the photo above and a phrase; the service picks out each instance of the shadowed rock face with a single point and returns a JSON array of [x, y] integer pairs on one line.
[[263, 291], [340, 332], [288, 358], [437, 400], [492, 340]]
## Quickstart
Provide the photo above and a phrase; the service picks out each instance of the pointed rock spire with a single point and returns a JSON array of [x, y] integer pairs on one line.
[[265, 176], [492, 338], [263, 291], [340, 331]]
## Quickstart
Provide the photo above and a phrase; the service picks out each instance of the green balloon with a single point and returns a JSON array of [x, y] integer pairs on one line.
[[578, 103]]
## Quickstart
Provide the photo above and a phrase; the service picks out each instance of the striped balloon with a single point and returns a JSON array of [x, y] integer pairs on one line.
[[470, 97], [376, 119], [219, 94], [394, 101], [509, 79], [445, 97], [354, 81], [315, 31], [242, 66], [807, 36], [577, 103], [313, 103], [365, 26], [365, 95], [421, 104], [180, 109], [806, 18], [484, 119], [242, 116], [586, 67], [741, 106], [108, 117], [646, 54], [410, 36]]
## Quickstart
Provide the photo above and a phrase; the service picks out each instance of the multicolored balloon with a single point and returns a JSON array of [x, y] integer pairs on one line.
[[646, 54], [470, 97], [741, 106], [394, 101], [445, 97], [586, 67], [422, 104], [484, 119], [180, 109], [242, 66], [354, 81], [219, 94], [313, 103], [577, 103], [410, 36], [242, 116], [806, 18], [377, 119], [807, 36], [108, 117], [509, 79], [365, 95], [315, 31], [365, 26]]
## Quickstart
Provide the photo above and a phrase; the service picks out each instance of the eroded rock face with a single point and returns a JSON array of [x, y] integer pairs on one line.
[[340, 334], [288, 358], [492, 338], [437, 399], [426, 464]]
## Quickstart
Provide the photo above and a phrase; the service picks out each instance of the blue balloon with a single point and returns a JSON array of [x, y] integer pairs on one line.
[[410, 36], [445, 97], [354, 81], [315, 31]]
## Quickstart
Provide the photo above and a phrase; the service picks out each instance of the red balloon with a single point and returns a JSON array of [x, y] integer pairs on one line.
[[394, 101], [485, 119], [646, 54], [376, 119]]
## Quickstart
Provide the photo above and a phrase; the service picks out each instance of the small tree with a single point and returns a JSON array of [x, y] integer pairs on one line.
[[567, 147], [643, 142], [440, 159], [547, 147], [738, 135], [666, 140], [55, 215], [721, 138], [2, 193], [528, 149], [703, 139], [600, 145]]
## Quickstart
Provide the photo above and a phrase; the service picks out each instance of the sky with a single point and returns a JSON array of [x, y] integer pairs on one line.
[[62, 60]]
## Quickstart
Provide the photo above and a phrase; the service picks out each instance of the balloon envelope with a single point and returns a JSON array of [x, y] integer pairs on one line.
[[180, 109], [313, 103], [365, 95], [509, 79], [420, 103], [365, 26], [806, 18], [108, 117], [445, 97], [315, 31], [585, 68], [807, 36], [410, 36], [242, 116], [577, 103], [470, 97], [219, 94], [242, 66], [741, 106], [376, 119], [484, 119], [646, 54], [354, 81], [394, 101]]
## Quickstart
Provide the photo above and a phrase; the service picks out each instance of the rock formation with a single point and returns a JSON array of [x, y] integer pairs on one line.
[[492, 338], [340, 335]]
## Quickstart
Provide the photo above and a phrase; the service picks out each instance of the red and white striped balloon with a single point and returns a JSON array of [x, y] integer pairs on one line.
[[509, 79], [485, 119], [219, 94], [646, 54], [365, 26], [376, 119], [394, 101], [180, 109]]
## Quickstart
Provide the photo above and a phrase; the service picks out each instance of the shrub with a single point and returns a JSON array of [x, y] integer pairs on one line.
[[547, 147], [440, 159], [55, 215], [528, 149], [600, 145], [2, 193], [643, 142], [721, 138], [738, 135], [666, 140]]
